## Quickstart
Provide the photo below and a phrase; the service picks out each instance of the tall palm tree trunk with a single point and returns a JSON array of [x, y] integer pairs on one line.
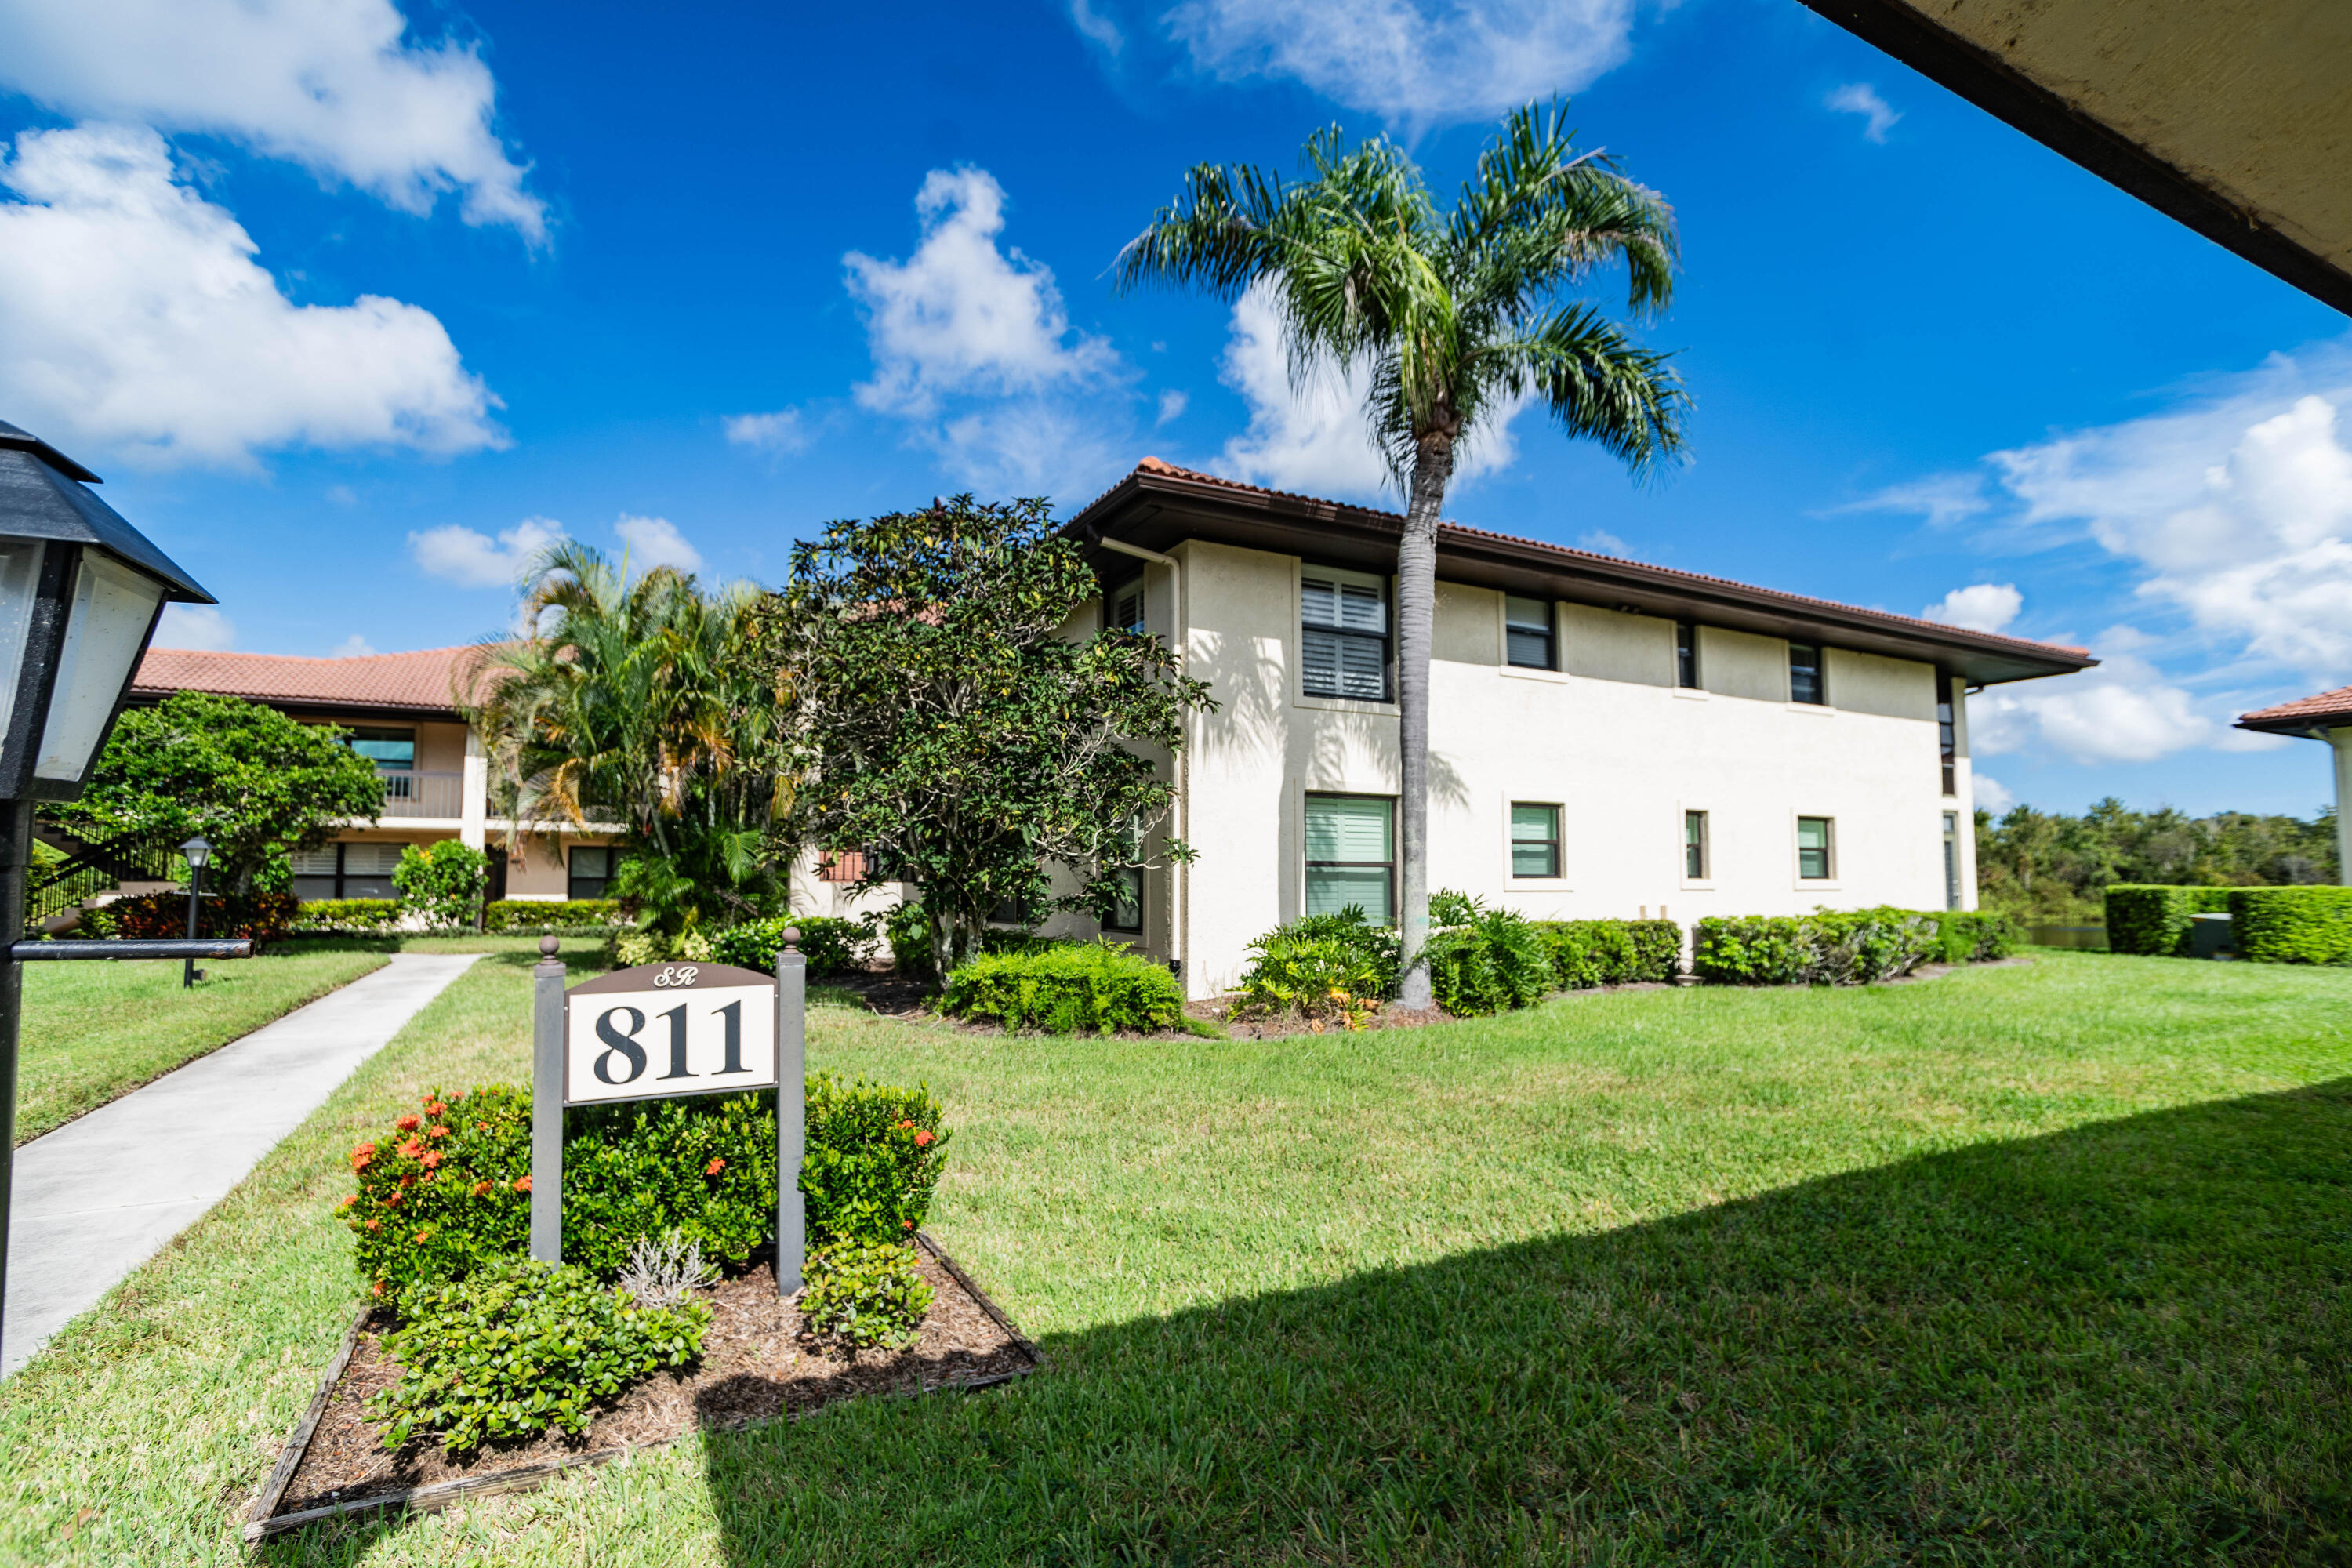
[[1416, 615]]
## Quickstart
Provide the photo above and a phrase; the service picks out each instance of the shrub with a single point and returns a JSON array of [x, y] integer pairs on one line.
[[1977, 936], [831, 945], [1336, 966], [866, 1293], [349, 914], [520, 1349], [873, 1159], [664, 1271], [537, 914], [701, 1166], [1828, 947], [909, 932], [1483, 961], [1585, 953], [2292, 925], [2155, 920], [1065, 988], [262, 917], [626, 947], [444, 1192], [444, 881]]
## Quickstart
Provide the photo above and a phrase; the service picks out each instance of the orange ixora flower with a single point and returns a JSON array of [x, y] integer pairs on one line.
[[349, 1201], [481, 1189], [408, 1124], [375, 1224], [456, 1096], [420, 1235], [412, 1148], [432, 1158], [716, 1166], [433, 1107], [361, 1156], [922, 1139], [436, 1133], [522, 1184]]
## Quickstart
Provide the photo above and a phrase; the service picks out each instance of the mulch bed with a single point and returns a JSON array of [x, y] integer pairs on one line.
[[759, 1362]]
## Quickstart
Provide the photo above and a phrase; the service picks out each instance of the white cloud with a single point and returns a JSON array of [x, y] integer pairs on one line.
[[1096, 27], [2123, 711], [352, 647], [959, 316], [1982, 606], [1171, 407], [1314, 438], [1861, 98], [327, 84], [474, 560], [1992, 795], [1942, 498], [782, 431], [200, 627], [653, 542], [134, 315], [1416, 63], [1601, 542], [1031, 447]]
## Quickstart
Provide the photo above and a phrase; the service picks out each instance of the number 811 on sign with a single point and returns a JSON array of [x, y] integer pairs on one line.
[[667, 1030]]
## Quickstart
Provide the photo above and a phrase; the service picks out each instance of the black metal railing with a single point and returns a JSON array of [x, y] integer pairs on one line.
[[90, 869]]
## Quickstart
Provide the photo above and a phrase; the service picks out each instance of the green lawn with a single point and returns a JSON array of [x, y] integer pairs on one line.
[[93, 1031], [2038, 1264]]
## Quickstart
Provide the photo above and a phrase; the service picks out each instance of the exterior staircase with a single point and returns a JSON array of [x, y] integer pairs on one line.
[[91, 868]]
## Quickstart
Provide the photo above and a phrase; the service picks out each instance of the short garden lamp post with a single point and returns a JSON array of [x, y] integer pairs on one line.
[[196, 851], [80, 591]]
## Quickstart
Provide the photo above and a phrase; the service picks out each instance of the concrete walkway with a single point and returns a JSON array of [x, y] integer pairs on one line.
[[175, 1148]]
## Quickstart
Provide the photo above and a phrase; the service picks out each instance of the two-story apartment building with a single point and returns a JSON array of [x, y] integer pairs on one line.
[[400, 710], [1607, 738]]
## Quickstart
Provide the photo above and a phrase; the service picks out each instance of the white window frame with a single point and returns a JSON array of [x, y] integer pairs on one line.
[[1558, 882], [1828, 884], [1300, 570], [1682, 858]]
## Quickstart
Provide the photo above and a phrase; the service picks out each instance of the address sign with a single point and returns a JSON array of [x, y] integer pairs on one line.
[[664, 1029]]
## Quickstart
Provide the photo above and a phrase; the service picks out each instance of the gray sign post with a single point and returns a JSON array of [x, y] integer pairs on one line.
[[661, 1030]]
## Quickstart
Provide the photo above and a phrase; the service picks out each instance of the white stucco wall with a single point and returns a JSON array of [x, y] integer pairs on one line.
[[1610, 738], [2341, 739]]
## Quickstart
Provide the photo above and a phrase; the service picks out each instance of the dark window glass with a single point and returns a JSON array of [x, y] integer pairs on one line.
[[1814, 848], [1694, 845], [1686, 655], [1951, 860], [1527, 633], [591, 871], [1805, 673], [1351, 855], [1126, 910], [1947, 739], [1534, 840], [390, 750], [1344, 635], [1123, 605]]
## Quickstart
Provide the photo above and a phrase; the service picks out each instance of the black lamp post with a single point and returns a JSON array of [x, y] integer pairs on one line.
[[196, 852], [80, 591]]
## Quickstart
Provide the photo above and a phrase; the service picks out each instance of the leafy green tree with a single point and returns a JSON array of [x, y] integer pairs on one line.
[[2050, 866], [1456, 317], [636, 703], [445, 881], [255, 783], [953, 723]]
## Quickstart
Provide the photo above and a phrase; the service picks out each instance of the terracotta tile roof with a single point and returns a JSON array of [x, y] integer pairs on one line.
[[417, 682], [1459, 530], [2318, 711]]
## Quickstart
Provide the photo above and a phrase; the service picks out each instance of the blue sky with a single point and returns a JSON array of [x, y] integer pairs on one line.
[[350, 305]]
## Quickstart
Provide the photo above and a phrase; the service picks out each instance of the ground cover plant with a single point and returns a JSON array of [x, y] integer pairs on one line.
[[92, 1032], [1988, 1270], [521, 1348], [868, 1294], [1064, 988]]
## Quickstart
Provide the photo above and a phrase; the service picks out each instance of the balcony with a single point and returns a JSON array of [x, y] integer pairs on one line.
[[409, 792]]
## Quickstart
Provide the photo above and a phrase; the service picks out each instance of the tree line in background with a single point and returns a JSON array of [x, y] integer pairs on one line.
[[2050, 867]]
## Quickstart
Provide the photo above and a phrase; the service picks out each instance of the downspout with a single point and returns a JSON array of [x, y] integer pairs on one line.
[[1179, 877]]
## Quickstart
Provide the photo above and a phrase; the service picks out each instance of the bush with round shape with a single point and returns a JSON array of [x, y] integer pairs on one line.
[[1324, 968], [1067, 989], [702, 1165], [1485, 960], [443, 882], [446, 1191], [866, 1294], [873, 1159], [521, 1348]]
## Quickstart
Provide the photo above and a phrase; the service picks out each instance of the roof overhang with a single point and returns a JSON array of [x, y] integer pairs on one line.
[[2311, 726], [2231, 116], [316, 708], [1157, 510]]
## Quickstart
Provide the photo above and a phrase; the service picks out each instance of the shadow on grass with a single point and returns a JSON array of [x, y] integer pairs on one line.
[[2123, 1343]]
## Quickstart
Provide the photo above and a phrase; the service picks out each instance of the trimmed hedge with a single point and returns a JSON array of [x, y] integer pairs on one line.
[[348, 914], [1067, 989], [1586, 953], [2292, 925], [831, 945], [2153, 920], [538, 914], [1828, 947]]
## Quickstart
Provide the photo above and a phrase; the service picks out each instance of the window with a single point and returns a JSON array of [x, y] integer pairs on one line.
[[346, 871], [840, 866], [1694, 845], [1527, 633], [1344, 635], [1805, 673], [1351, 855], [1951, 860], [1947, 739], [591, 871], [393, 751], [1123, 605], [1127, 907], [1815, 844], [1686, 655], [1534, 840]]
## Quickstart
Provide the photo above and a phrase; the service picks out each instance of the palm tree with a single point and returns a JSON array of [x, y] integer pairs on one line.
[[637, 701], [1456, 318]]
